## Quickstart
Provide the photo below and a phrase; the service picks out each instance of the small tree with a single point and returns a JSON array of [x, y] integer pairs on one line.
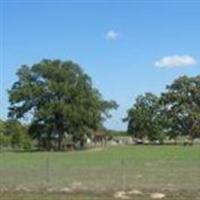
[[18, 135], [4, 140], [144, 118]]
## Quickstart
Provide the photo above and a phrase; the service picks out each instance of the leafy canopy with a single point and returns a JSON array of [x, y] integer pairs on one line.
[[58, 97], [182, 106], [144, 117]]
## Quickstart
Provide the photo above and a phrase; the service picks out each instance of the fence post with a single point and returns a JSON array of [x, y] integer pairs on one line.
[[123, 176], [47, 171]]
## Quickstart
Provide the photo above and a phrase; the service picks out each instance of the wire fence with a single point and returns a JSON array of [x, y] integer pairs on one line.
[[97, 172]]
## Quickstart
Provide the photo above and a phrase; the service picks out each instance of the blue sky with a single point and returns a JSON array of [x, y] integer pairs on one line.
[[127, 47]]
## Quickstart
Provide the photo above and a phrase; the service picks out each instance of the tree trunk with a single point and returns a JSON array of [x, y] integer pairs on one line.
[[60, 141], [59, 127]]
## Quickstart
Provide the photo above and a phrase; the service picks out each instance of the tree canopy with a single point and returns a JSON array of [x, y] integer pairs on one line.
[[175, 113], [181, 104], [58, 97], [144, 119]]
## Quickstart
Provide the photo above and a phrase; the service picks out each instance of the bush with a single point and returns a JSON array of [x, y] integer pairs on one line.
[[27, 143], [16, 135], [4, 140], [21, 140]]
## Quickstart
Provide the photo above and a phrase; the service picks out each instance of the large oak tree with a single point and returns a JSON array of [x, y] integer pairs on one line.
[[58, 97]]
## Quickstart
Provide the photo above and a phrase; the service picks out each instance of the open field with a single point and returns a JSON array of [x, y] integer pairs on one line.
[[101, 174]]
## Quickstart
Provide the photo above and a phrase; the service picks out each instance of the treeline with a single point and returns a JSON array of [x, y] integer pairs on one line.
[[176, 112], [60, 102]]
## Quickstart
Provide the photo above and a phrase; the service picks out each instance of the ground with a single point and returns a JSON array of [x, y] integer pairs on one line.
[[126, 172]]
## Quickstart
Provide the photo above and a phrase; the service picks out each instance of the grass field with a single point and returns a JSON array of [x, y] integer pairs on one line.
[[100, 174]]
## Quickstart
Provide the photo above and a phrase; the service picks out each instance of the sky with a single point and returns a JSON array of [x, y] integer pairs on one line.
[[127, 47]]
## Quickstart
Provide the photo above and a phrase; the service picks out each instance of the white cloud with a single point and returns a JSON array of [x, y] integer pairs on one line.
[[112, 35], [175, 61]]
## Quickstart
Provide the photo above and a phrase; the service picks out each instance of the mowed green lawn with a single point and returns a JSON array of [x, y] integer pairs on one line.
[[99, 174]]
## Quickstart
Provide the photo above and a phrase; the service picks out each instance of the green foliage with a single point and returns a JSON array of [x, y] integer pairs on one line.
[[19, 137], [20, 140], [14, 135], [4, 140], [2, 126], [175, 113], [144, 118], [59, 97], [182, 107]]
